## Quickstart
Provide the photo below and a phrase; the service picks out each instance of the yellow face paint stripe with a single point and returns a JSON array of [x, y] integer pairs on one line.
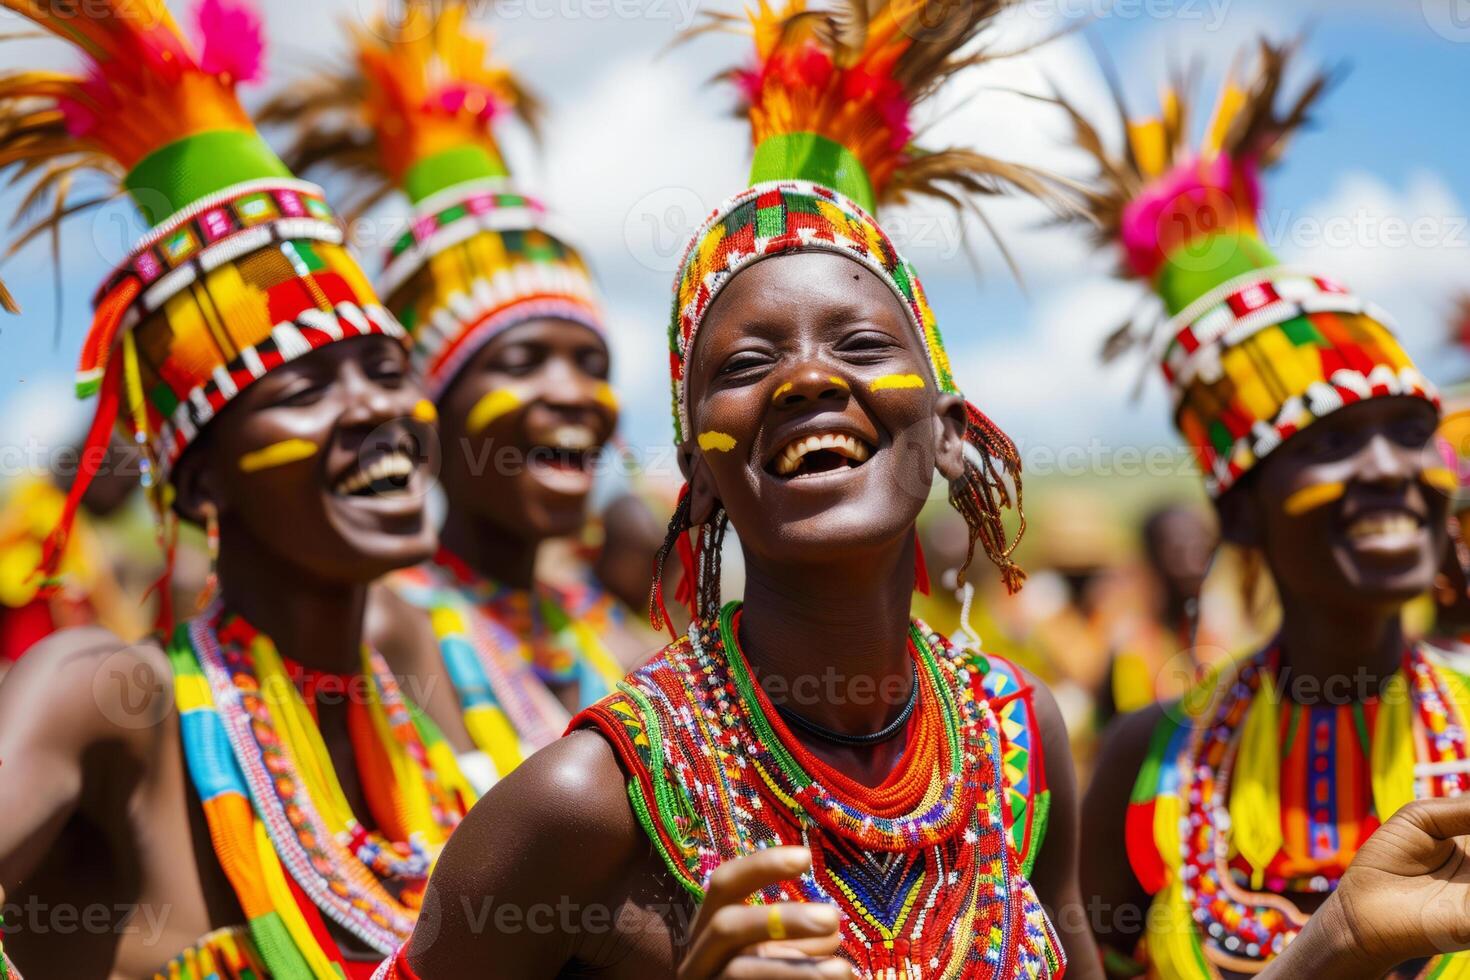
[[1310, 498], [278, 454], [1441, 478], [892, 382], [838, 382], [606, 397], [781, 391], [718, 442], [424, 411], [489, 408]]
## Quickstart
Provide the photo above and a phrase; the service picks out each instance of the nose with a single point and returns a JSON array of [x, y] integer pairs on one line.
[[568, 386], [809, 383], [368, 402], [1385, 463]]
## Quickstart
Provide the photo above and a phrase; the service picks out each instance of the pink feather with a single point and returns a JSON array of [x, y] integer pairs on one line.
[[1180, 199], [231, 39]]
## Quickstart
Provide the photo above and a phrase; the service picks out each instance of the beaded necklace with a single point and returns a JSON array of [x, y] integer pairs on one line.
[[7, 969], [281, 825], [507, 710], [921, 866], [559, 631], [1250, 803]]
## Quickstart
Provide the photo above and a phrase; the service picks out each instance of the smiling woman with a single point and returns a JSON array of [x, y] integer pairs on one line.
[[508, 339], [1314, 433], [895, 806], [260, 780]]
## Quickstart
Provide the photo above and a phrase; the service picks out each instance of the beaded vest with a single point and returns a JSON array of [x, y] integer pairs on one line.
[[922, 867], [1245, 798]]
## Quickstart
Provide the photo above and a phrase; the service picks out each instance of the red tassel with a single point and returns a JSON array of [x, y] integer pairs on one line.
[[689, 561], [921, 567], [93, 454]]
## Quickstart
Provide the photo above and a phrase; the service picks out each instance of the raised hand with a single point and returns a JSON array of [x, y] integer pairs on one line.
[[1406, 896], [734, 941]]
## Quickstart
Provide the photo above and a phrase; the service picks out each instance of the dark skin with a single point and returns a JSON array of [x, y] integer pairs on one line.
[[100, 813], [1343, 575], [518, 471], [830, 572]]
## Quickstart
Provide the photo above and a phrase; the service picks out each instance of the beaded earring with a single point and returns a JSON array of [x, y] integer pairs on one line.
[[699, 589], [980, 494], [211, 540]]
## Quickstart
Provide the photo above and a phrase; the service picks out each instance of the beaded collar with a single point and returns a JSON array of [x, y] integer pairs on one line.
[[558, 630], [508, 710], [281, 826], [921, 867], [1314, 783]]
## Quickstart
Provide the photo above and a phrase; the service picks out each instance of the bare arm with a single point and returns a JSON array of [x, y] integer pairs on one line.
[[79, 695], [558, 832], [1054, 875], [1117, 904]]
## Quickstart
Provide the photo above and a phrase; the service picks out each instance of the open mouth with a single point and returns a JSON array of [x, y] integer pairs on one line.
[[566, 459], [383, 473], [815, 455], [1388, 531]]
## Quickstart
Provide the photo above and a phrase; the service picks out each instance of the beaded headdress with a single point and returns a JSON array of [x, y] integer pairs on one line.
[[1253, 351], [830, 97], [415, 113], [245, 268]]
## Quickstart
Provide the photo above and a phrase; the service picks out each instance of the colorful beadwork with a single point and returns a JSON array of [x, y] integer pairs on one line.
[[7, 969], [225, 954], [1220, 900], [1266, 355], [778, 217], [557, 629], [508, 711], [922, 867], [280, 824]]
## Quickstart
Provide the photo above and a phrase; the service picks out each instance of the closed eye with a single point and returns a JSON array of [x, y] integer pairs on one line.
[[868, 346], [744, 363]]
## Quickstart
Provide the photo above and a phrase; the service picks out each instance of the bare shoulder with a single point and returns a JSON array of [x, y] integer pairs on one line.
[[561, 820], [558, 832], [86, 684]]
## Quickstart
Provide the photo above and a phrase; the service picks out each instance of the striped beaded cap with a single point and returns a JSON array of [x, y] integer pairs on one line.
[[1253, 351], [415, 113], [245, 267], [830, 97]]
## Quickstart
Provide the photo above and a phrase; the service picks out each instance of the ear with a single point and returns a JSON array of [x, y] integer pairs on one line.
[[193, 480], [1240, 515], [704, 497], [951, 422]]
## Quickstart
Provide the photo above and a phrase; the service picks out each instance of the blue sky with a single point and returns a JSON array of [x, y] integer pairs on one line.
[[637, 147]]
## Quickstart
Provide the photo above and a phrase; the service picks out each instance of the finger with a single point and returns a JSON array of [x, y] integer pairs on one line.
[[732, 930], [760, 968], [821, 946], [1442, 818], [732, 882]]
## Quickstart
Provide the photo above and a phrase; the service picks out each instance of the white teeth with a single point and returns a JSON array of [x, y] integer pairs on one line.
[[395, 464], [1374, 525], [573, 437], [791, 457]]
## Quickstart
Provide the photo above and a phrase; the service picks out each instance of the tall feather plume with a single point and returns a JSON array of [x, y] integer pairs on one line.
[[419, 84], [1160, 166], [142, 87], [854, 70]]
